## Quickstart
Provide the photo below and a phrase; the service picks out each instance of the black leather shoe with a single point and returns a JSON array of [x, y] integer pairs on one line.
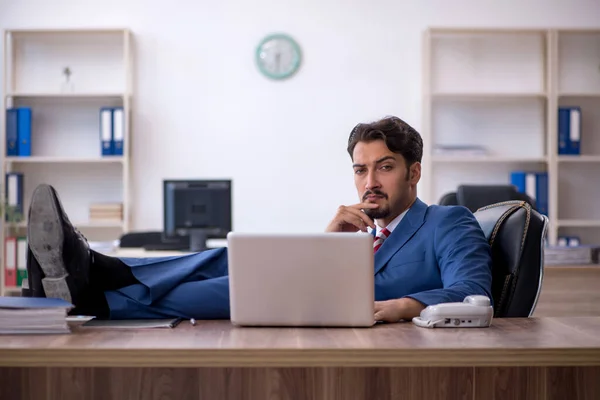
[[60, 250], [34, 277]]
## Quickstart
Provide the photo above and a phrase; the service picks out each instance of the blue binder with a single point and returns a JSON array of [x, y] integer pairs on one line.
[[539, 193], [517, 178], [569, 130], [118, 130], [106, 131], [541, 189], [12, 133], [18, 131], [24, 131]]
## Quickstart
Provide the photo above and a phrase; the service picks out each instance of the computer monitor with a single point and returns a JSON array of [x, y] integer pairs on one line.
[[199, 209]]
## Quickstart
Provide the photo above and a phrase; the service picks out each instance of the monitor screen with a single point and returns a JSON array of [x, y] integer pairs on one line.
[[199, 209]]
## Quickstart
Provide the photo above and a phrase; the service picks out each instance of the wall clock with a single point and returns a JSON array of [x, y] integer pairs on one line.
[[278, 56]]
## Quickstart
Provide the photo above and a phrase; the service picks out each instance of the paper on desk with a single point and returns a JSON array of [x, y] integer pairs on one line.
[[132, 323], [104, 247]]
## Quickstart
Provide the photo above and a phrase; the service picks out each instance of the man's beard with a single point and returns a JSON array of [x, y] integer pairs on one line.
[[380, 212]]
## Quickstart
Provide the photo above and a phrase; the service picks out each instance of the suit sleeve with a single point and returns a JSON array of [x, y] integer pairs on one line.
[[464, 258]]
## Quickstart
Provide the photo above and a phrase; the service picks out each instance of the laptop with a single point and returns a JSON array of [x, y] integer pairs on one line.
[[315, 279]]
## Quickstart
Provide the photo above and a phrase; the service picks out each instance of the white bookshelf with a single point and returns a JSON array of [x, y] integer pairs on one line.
[[63, 160], [500, 89], [65, 132]]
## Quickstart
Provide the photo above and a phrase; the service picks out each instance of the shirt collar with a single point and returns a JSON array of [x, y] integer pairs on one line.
[[393, 224]]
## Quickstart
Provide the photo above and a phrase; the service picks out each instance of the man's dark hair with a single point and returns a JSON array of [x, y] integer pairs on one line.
[[399, 137]]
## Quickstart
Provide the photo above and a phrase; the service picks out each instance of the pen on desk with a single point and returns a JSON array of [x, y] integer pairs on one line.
[[175, 322], [193, 321]]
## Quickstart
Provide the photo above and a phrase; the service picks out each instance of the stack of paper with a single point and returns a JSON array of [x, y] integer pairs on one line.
[[27, 315], [106, 212], [565, 255]]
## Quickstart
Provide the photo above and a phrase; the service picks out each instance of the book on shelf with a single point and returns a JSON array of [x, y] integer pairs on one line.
[[112, 130], [535, 185], [33, 315], [569, 130], [18, 132], [15, 261]]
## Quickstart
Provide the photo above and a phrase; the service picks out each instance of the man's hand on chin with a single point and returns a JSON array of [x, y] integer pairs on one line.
[[397, 309]]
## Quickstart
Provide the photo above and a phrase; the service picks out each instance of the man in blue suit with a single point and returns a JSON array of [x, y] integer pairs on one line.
[[423, 254]]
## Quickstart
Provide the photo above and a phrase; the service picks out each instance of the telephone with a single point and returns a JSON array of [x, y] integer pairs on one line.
[[473, 312]]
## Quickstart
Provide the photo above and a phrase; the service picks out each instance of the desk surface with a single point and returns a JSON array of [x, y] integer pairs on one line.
[[140, 252], [508, 342]]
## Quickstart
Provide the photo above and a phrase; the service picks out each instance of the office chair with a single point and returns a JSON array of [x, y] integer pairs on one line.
[[140, 238], [476, 196], [516, 233]]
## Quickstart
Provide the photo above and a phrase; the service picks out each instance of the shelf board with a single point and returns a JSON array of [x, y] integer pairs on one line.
[[485, 159], [488, 95], [579, 94], [72, 31], [485, 30], [56, 159], [578, 158], [12, 289], [577, 30], [579, 223], [67, 95]]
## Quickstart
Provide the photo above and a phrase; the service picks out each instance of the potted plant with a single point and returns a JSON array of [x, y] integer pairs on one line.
[[12, 218]]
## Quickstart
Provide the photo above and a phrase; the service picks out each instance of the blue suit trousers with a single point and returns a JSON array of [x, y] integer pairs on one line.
[[187, 286]]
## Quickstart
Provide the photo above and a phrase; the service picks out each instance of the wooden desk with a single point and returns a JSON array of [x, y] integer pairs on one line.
[[537, 358], [140, 252]]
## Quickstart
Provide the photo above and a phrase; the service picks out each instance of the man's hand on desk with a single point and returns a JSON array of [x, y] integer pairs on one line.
[[397, 309]]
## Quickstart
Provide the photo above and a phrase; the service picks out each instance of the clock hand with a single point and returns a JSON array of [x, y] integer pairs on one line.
[[277, 60]]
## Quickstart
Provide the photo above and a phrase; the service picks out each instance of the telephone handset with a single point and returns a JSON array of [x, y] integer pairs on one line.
[[473, 312]]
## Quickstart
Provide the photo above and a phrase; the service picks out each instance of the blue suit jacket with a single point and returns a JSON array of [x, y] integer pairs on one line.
[[436, 254]]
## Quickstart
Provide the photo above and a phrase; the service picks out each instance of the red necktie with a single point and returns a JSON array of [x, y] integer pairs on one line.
[[378, 240]]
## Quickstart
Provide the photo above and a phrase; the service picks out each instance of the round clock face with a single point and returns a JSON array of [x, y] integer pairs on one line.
[[278, 56]]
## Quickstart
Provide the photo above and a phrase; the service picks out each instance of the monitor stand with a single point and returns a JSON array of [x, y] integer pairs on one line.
[[198, 239]]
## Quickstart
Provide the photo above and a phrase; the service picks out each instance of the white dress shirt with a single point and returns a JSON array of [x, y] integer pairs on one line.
[[392, 225]]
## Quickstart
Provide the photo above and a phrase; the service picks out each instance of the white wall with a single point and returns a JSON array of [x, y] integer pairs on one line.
[[202, 110]]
